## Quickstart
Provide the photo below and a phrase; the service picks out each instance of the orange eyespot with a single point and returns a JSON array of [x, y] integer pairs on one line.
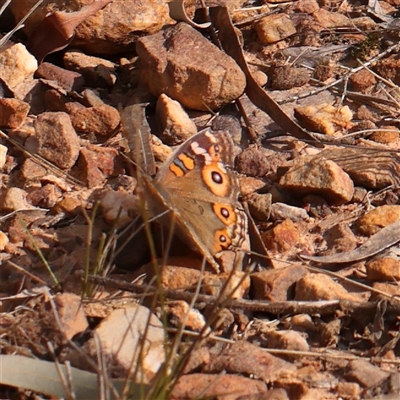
[[222, 240], [215, 152], [225, 213], [216, 180]]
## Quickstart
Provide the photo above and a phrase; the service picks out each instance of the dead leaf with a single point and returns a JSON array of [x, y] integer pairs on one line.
[[57, 30], [386, 237], [373, 168], [137, 132], [178, 13], [230, 42]]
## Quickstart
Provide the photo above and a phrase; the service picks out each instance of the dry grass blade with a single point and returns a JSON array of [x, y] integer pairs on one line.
[[335, 85], [43, 377], [20, 24], [27, 273]]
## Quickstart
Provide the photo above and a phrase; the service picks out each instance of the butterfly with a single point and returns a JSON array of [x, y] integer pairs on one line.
[[198, 190]]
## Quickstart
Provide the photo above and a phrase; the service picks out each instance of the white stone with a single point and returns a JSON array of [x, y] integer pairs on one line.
[[175, 124], [15, 199], [3, 154], [3, 240], [117, 207], [16, 65], [121, 338], [273, 28]]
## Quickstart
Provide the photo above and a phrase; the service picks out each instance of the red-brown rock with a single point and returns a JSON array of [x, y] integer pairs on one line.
[[108, 31], [276, 284], [315, 287], [380, 217], [68, 80], [96, 71], [55, 139], [181, 63], [175, 125], [12, 112], [218, 387], [366, 374], [17, 64], [318, 175], [72, 316], [246, 358], [383, 269], [99, 163], [100, 120], [282, 237]]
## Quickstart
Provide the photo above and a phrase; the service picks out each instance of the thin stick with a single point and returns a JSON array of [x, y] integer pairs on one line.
[[274, 307], [298, 353], [25, 272]]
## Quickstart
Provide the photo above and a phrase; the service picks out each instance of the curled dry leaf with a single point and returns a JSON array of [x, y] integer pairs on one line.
[[230, 42], [57, 30], [385, 238], [178, 13]]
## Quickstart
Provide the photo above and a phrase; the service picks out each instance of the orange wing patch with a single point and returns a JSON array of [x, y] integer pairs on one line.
[[181, 165], [176, 170], [186, 161]]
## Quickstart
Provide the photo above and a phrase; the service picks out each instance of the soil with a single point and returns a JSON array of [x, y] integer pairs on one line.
[[315, 313]]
